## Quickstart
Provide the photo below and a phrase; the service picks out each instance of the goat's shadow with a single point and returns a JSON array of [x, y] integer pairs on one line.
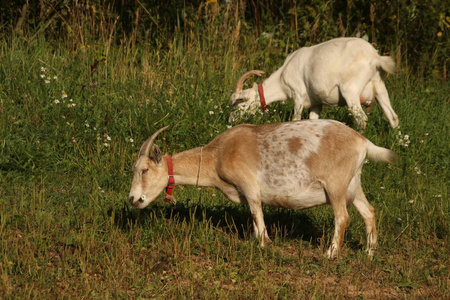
[[285, 223]]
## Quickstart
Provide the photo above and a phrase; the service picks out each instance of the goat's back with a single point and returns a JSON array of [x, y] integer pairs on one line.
[[334, 54], [289, 152]]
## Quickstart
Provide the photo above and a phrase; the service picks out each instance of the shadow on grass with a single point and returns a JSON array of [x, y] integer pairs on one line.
[[287, 224]]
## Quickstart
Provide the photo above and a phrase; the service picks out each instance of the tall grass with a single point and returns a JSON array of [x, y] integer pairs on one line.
[[69, 132]]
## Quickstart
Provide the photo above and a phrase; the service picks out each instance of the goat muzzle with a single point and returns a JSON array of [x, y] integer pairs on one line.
[[135, 203]]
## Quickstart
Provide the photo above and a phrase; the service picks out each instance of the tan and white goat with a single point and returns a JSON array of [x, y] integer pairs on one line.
[[294, 165], [342, 71]]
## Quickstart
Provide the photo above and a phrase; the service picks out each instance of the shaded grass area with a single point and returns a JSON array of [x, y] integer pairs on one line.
[[68, 140]]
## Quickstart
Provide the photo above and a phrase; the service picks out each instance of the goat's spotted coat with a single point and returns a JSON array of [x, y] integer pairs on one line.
[[294, 165]]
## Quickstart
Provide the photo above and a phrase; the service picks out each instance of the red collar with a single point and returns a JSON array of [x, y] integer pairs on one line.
[[261, 96], [171, 184]]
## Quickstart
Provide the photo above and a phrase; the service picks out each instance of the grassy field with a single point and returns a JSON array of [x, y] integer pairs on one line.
[[70, 130]]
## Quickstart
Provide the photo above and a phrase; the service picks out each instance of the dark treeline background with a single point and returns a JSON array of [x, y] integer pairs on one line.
[[415, 32]]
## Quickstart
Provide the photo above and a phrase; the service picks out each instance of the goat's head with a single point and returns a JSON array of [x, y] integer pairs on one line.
[[246, 101], [150, 174]]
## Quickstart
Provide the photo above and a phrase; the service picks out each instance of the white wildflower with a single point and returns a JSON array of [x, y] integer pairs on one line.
[[403, 140], [417, 170], [267, 35]]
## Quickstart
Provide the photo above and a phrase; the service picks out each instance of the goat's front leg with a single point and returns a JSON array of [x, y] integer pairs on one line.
[[298, 109], [258, 221], [232, 193], [315, 112], [255, 205]]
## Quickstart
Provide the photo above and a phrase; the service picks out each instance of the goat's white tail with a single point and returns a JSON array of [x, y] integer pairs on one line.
[[387, 63], [380, 154]]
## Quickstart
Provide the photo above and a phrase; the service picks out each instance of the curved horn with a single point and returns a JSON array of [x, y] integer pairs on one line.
[[240, 82], [145, 149]]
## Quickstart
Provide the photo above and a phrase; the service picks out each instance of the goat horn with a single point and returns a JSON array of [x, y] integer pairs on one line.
[[240, 82], [145, 149]]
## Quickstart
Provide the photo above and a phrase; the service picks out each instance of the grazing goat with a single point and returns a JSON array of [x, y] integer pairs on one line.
[[338, 72], [294, 165]]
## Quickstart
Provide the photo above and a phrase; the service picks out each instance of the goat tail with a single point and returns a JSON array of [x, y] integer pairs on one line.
[[387, 63], [380, 154]]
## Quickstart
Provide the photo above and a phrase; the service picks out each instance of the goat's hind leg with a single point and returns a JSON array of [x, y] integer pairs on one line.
[[368, 214], [339, 203], [357, 78], [382, 96]]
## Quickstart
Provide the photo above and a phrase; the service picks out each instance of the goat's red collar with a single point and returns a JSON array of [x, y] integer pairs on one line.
[[261, 97], [171, 183]]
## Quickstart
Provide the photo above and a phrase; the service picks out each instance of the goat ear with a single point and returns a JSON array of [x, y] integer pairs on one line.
[[234, 98], [156, 154], [237, 98]]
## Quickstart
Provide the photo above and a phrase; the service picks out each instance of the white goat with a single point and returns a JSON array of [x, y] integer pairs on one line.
[[294, 165], [338, 72]]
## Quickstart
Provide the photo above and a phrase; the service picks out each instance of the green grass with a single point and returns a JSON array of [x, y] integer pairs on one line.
[[66, 227]]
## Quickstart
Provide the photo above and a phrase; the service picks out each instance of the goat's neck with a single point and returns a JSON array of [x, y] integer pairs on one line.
[[273, 88], [194, 167]]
